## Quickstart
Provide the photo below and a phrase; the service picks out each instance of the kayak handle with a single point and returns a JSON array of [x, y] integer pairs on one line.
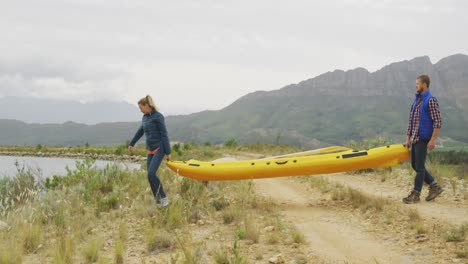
[[281, 162]]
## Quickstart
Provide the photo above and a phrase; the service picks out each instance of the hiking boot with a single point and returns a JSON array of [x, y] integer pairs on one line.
[[413, 197], [434, 191], [164, 202]]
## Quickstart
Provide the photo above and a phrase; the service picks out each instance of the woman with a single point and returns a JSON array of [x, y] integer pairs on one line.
[[157, 142]]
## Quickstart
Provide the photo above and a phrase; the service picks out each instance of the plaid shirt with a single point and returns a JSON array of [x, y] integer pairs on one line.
[[413, 124]]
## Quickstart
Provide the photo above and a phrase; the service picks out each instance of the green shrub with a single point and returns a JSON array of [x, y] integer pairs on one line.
[[457, 234], [230, 142], [220, 203]]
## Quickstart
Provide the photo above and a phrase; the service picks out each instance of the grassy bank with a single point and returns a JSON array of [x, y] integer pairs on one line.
[[109, 216]]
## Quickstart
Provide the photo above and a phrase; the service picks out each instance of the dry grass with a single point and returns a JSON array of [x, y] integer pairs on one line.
[[297, 236], [321, 184], [91, 250], [420, 228], [274, 238], [10, 253], [173, 216], [119, 252], [31, 237], [266, 205], [64, 249], [413, 215], [221, 257], [357, 199], [252, 231]]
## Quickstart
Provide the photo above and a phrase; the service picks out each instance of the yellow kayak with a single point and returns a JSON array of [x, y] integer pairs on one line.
[[321, 163]]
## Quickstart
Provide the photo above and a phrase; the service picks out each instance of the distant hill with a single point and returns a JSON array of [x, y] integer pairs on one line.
[[329, 109], [68, 134], [47, 111]]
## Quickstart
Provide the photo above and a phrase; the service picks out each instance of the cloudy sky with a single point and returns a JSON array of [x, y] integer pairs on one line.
[[195, 55]]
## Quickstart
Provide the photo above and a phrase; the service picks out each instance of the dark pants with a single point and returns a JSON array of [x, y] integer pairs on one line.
[[418, 159], [152, 165]]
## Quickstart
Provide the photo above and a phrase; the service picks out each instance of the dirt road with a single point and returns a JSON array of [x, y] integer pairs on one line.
[[335, 235]]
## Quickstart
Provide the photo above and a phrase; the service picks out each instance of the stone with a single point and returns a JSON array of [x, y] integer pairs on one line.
[[269, 229], [278, 259]]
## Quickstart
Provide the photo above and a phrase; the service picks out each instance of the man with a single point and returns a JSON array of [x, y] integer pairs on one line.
[[425, 122]]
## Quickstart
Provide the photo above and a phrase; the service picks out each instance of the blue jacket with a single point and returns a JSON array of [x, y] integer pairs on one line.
[[426, 124], [156, 134]]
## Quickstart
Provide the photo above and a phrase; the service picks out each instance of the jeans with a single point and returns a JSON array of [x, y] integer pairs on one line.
[[152, 165], [418, 159]]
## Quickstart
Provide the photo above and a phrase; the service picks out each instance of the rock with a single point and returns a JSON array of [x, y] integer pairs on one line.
[[278, 259], [3, 226], [269, 229], [200, 222], [421, 238]]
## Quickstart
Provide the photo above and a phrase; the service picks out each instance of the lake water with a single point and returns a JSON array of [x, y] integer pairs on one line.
[[49, 166]]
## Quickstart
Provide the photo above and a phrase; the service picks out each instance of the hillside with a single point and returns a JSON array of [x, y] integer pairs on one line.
[[337, 106], [68, 134]]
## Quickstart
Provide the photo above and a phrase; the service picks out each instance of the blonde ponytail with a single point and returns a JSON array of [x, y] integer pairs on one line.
[[147, 100]]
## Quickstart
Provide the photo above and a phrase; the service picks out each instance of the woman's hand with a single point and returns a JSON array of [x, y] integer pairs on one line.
[[168, 157], [130, 149]]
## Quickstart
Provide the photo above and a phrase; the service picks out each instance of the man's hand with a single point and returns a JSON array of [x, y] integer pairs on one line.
[[168, 157], [408, 143], [130, 149], [431, 145]]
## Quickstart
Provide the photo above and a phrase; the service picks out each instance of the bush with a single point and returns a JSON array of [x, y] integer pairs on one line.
[[221, 257], [230, 142], [240, 234], [457, 234], [229, 216], [297, 236], [220, 203], [17, 190], [187, 146], [158, 240], [110, 201]]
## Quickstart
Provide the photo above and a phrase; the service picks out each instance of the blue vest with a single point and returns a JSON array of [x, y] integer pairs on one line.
[[426, 124]]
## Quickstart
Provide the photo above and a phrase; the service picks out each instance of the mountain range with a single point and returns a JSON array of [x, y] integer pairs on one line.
[[331, 108]]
